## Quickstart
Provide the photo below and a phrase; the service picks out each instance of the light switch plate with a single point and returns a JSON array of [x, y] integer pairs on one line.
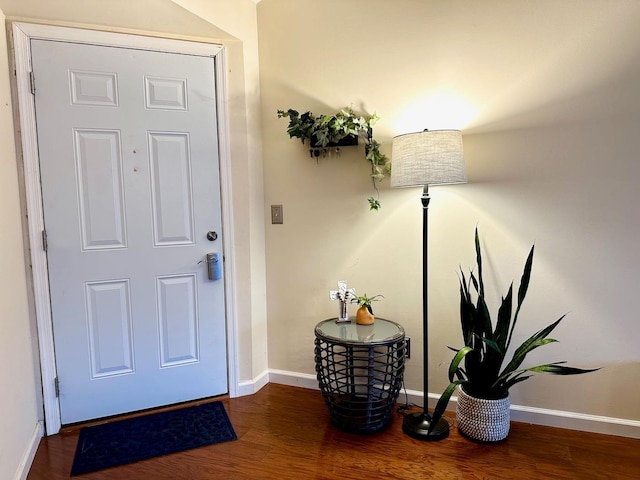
[[276, 214]]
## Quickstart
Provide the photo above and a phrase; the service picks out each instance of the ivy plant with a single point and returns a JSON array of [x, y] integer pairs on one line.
[[323, 132]]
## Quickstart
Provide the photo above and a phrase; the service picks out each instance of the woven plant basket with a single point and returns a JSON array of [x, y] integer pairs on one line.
[[483, 420]]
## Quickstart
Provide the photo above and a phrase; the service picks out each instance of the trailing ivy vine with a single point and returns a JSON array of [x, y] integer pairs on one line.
[[323, 132]]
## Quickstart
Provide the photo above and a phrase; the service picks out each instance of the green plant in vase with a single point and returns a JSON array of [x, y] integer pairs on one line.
[[364, 314], [481, 367]]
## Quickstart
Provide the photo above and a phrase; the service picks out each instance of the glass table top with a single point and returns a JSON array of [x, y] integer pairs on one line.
[[382, 331]]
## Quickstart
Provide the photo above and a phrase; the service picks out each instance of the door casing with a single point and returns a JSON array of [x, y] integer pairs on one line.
[[22, 34]]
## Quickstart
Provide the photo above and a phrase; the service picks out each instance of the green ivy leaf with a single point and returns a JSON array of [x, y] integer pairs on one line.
[[326, 129]]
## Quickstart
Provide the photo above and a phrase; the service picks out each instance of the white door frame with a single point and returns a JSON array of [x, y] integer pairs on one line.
[[22, 34]]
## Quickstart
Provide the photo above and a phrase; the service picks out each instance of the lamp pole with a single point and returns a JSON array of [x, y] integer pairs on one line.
[[418, 425]]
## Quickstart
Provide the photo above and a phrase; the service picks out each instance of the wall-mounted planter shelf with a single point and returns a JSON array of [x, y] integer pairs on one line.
[[348, 141], [327, 133]]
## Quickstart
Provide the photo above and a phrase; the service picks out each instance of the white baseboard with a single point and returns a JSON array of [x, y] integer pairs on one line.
[[538, 416], [30, 452], [252, 386], [293, 379], [576, 421]]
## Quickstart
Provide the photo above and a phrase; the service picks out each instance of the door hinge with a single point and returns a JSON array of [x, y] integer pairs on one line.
[[32, 82], [56, 386], [44, 240]]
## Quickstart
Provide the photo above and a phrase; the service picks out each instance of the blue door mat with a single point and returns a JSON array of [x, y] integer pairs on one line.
[[134, 439]]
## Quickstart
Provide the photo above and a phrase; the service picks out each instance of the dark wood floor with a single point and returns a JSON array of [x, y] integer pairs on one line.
[[285, 433]]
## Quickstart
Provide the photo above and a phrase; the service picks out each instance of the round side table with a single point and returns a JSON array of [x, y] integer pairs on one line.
[[360, 370]]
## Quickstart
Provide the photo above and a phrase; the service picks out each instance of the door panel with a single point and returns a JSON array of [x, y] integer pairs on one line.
[[171, 188], [110, 328], [130, 182], [100, 189]]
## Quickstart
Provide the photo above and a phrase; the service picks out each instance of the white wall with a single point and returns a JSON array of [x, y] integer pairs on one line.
[[546, 95], [19, 399]]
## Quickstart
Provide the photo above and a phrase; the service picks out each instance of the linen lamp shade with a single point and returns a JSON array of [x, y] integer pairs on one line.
[[431, 157]]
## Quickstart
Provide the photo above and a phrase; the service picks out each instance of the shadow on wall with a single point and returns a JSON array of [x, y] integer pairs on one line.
[[613, 99]]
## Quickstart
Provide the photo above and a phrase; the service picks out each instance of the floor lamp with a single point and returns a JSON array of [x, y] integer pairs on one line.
[[423, 159]]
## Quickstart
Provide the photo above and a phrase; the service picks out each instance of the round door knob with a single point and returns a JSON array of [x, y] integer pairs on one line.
[[211, 236]]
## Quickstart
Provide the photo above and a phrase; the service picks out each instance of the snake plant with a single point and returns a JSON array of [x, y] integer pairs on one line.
[[487, 372]]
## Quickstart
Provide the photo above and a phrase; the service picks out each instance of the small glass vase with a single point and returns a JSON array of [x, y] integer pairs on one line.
[[343, 313]]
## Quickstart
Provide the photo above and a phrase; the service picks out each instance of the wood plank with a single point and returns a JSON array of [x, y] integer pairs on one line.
[[285, 433]]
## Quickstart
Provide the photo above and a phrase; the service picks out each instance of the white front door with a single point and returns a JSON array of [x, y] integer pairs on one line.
[[130, 183]]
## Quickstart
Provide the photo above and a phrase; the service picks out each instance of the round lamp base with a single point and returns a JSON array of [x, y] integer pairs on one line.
[[417, 426]]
